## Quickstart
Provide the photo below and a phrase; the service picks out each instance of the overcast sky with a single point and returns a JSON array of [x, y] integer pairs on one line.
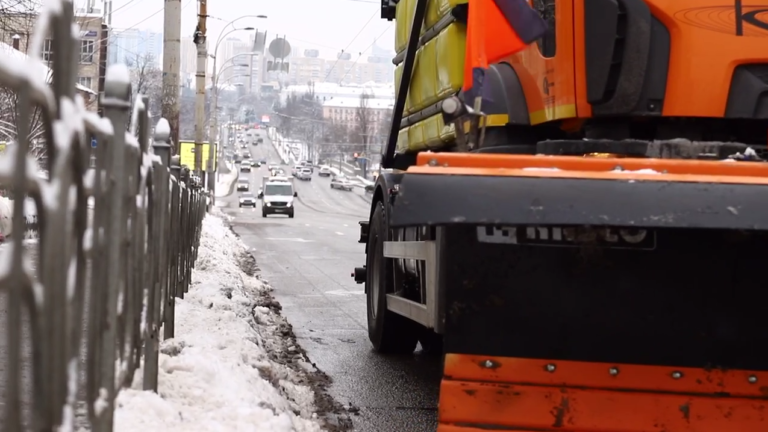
[[328, 25]]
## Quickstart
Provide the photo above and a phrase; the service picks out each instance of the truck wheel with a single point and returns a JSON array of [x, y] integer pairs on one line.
[[263, 213], [388, 331], [290, 215]]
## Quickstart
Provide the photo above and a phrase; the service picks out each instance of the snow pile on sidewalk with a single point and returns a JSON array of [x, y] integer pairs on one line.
[[225, 181], [216, 375]]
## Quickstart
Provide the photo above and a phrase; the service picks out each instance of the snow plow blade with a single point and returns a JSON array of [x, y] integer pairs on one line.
[[552, 320], [448, 189], [502, 394]]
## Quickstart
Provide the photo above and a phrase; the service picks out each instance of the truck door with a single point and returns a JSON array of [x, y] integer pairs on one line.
[[546, 68]]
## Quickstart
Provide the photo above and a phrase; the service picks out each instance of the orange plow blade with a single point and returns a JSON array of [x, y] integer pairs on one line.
[[503, 394]]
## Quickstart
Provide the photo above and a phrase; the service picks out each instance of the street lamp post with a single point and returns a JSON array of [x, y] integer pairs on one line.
[[213, 148]]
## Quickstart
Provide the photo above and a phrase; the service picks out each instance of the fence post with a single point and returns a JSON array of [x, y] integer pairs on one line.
[[116, 103], [174, 255], [159, 279]]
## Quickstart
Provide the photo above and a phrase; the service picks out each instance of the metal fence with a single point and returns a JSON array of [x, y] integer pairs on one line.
[[116, 241]]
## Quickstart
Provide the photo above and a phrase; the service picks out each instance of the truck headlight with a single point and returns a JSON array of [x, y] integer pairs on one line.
[[269, 204], [290, 204]]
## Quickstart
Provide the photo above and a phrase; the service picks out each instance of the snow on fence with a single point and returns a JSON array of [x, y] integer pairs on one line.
[[104, 284]]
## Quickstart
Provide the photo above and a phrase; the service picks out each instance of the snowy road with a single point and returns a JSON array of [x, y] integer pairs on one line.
[[308, 261]]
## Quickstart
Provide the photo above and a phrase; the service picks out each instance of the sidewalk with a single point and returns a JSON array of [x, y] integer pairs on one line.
[[226, 370]]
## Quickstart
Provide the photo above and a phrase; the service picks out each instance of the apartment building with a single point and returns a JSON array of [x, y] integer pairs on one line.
[[126, 45], [16, 31]]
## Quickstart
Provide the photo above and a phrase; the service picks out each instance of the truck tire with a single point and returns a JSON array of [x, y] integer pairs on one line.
[[389, 332]]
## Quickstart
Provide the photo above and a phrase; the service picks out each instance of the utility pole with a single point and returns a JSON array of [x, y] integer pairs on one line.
[[171, 64], [213, 131], [202, 56]]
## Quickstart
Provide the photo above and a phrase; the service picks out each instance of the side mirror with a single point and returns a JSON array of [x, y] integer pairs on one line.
[[261, 195], [295, 194]]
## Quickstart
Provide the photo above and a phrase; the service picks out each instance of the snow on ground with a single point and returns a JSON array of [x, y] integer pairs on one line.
[[217, 374], [224, 183]]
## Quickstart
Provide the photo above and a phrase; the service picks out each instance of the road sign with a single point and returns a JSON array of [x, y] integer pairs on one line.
[[93, 142]]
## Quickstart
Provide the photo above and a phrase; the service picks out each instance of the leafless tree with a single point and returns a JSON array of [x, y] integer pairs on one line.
[[335, 139], [365, 121], [147, 79], [18, 17]]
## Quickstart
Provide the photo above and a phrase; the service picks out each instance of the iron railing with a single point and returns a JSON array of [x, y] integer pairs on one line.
[[116, 245]]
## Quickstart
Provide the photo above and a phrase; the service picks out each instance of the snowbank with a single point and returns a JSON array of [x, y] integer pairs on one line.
[[217, 374], [224, 184]]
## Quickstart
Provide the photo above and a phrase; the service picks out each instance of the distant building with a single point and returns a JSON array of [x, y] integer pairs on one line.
[[126, 45], [188, 56], [344, 111], [16, 30], [346, 69], [325, 91]]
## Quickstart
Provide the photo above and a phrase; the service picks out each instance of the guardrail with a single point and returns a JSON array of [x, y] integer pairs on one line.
[[104, 285]]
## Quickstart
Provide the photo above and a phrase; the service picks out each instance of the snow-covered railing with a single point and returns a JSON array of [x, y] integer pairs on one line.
[[91, 295]]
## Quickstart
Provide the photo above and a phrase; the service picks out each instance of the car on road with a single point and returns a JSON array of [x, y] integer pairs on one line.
[[295, 170], [341, 183], [243, 184], [247, 200], [325, 171], [263, 161], [304, 174], [245, 166], [308, 164], [277, 197]]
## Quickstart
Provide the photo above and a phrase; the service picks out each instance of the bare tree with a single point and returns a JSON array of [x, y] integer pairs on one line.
[[17, 18], [335, 139], [147, 79], [365, 121]]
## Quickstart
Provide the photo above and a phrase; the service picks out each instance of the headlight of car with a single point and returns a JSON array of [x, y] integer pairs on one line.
[[269, 204], [290, 204]]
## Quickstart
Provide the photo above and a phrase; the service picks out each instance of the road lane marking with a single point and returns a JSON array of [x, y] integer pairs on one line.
[[339, 233], [298, 240]]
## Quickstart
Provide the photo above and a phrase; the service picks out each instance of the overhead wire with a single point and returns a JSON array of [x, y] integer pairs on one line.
[[137, 24], [338, 57], [360, 54]]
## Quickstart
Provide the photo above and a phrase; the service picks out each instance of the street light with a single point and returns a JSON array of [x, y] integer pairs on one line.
[[212, 130]]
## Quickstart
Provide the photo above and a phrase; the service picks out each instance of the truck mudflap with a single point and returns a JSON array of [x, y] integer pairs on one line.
[[501, 394], [475, 189]]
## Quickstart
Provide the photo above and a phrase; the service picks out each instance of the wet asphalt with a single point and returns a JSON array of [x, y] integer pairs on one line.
[[308, 261]]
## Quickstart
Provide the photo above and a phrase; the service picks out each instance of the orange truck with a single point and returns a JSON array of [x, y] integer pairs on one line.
[[585, 246]]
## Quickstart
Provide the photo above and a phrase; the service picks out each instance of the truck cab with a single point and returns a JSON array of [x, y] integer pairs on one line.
[[277, 195]]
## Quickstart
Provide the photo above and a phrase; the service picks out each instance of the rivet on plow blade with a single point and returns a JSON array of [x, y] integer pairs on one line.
[[490, 364]]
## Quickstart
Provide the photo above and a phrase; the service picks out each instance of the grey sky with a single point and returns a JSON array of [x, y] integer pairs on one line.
[[328, 25]]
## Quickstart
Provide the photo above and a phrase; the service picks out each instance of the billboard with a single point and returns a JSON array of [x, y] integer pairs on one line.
[[265, 119], [187, 154]]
